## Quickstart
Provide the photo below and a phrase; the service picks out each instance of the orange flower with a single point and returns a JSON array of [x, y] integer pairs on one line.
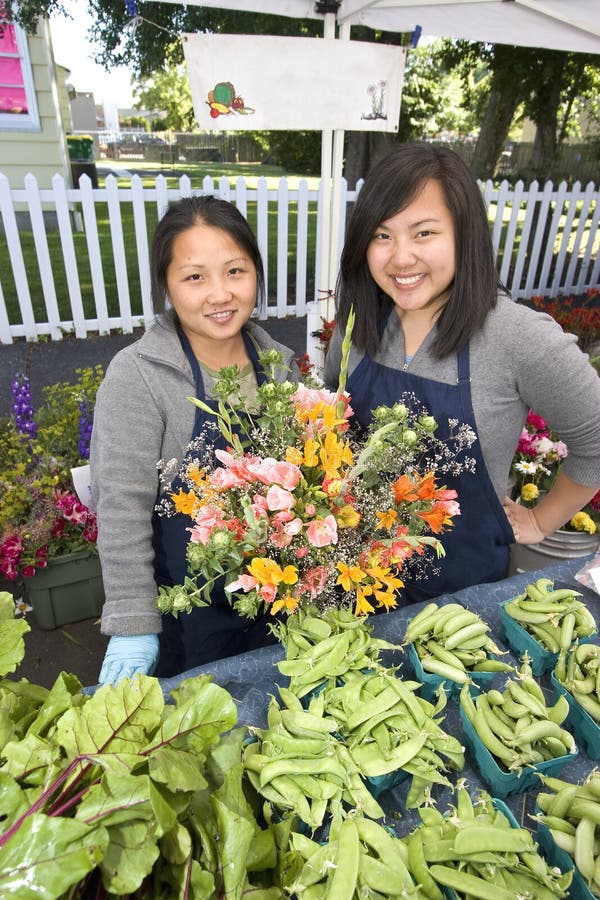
[[386, 519], [436, 518], [426, 489], [404, 489]]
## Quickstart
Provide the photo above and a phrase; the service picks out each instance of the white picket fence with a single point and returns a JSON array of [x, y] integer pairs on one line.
[[546, 240]]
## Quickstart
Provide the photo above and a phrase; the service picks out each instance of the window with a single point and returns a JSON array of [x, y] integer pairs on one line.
[[18, 107]]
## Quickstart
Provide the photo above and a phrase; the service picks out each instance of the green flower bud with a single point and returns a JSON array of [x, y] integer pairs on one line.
[[428, 423], [409, 437]]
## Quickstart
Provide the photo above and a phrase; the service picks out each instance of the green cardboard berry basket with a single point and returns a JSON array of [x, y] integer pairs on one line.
[[521, 641], [500, 781], [556, 856], [584, 729], [431, 682]]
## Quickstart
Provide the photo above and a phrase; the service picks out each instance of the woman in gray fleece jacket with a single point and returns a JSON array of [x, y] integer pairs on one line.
[[206, 263], [432, 320]]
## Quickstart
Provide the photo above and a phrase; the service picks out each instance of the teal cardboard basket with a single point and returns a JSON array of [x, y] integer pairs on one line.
[[556, 856], [583, 728], [500, 781], [432, 682], [521, 641]]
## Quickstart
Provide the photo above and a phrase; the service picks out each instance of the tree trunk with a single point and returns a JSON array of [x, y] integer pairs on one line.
[[497, 120], [544, 144], [363, 148]]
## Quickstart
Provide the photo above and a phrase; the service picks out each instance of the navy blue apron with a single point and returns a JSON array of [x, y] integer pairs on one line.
[[477, 545], [215, 631]]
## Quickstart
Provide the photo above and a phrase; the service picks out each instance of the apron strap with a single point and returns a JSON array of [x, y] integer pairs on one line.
[[252, 351]]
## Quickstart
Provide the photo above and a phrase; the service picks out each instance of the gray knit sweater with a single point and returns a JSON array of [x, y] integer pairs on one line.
[[142, 415], [521, 359]]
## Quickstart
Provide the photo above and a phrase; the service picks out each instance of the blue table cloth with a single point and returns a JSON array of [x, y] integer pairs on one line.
[[251, 678]]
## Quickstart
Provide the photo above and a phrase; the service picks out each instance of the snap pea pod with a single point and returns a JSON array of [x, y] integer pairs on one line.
[[572, 813], [554, 617], [578, 670], [475, 851]]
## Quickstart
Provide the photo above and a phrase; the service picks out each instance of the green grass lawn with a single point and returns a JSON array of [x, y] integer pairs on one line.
[[121, 169]]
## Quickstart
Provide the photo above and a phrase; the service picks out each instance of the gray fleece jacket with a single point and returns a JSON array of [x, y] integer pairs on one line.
[[521, 359], [142, 416]]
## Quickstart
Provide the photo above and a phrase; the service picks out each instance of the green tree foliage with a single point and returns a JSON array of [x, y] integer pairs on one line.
[[541, 83], [167, 91]]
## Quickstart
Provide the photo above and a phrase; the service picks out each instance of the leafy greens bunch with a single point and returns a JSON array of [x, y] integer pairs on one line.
[[121, 794]]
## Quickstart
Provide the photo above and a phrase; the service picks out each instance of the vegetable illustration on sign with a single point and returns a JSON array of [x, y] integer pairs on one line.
[[223, 101]]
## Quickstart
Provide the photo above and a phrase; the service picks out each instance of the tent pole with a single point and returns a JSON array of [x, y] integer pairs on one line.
[[318, 310]]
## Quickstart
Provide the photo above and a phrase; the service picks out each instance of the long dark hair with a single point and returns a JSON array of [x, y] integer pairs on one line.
[[390, 186], [186, 213]]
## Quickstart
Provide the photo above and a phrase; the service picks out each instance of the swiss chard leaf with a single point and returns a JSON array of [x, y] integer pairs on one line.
[[12, 645], [47, 856], [116, 718]]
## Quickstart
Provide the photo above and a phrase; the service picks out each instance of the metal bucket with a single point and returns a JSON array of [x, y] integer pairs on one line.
[[559, 545]]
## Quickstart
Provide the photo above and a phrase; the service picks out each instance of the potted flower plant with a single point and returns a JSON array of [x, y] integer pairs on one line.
[[47, 535], [536, 464]]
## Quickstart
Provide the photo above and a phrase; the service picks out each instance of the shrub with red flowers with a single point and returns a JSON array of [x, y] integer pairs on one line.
[[41, 517], [581, 319]]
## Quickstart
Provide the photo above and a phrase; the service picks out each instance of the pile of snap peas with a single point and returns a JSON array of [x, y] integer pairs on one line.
[[322, 647], [452, 642], [555, 617], [298, 765], [360, 859], [516, 725], [572, 814], [578, 670], [476, 853], [388, 727]]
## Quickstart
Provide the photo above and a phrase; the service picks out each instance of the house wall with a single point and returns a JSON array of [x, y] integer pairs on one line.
[[42, 152]]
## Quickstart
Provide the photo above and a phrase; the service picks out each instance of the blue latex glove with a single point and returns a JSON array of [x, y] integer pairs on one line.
[[125, 656]]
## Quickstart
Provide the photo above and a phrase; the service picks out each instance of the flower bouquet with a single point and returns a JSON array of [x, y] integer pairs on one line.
[[41, 517], [536, 464], [325, 514]]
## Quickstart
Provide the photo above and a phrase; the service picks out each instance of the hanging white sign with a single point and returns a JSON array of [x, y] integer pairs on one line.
[[249, 83]]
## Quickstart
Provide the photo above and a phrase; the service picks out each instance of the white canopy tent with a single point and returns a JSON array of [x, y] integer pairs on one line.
[[572, 25]]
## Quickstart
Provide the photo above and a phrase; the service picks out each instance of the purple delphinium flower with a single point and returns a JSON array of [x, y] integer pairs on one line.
[[85, 429], [22, 409]]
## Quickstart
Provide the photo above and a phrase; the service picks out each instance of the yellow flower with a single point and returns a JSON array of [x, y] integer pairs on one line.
[[349, 575], [386, 519], [363, 607], [582, 522], [529, 492], [310, 453], [347, 517], [184, 502], [334, 453], [266, 571], [286, 602], [293, 455]]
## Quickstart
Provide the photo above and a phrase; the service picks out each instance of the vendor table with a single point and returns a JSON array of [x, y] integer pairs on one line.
[[251, 679]]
